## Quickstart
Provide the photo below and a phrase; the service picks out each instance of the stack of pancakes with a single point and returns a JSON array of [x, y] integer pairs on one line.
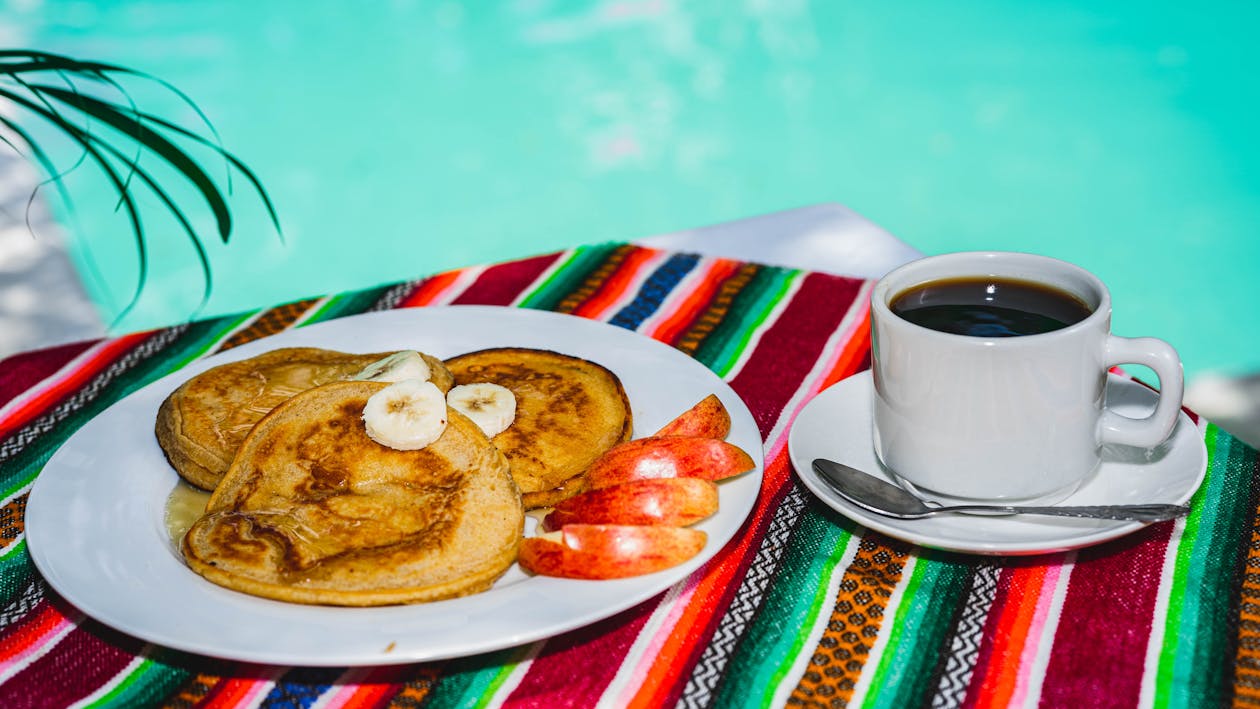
[[307, 508]]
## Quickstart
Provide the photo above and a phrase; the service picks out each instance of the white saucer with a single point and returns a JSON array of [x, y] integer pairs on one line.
[[836, 424]]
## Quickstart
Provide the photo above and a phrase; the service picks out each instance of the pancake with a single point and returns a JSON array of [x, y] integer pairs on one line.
[[568, 412], [314, 511], [549, 498], [202, 423]]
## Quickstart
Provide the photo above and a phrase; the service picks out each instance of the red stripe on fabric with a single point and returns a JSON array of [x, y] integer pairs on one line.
[[855, 355], [230, 693], [785, 353], [984, 655], [574, 669], [70, 381], [694, 304], [375, 689], [25, 370], [19, 636], [1005, 632], [1100, 646], [811, 316], [83, 661], [428, 290], [617, 283], [713, 595], [501, 284]]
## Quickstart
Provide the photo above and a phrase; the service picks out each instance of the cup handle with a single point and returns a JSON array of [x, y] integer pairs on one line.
[[1163, 360]]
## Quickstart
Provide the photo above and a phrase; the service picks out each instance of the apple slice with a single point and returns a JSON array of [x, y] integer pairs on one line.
[[668, 457], [608, 551], [674, 502], [707, 419]]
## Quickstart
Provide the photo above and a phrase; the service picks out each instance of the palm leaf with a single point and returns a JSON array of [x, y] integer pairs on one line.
[[142, 132], [85, 139]]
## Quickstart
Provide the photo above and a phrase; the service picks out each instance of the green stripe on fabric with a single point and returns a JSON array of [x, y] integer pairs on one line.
[[779, 631], [197, 342], [17, 483], [187, 346], [1202, 629], [1181, 571], [17, 572], [568, 277], [148, 684], [343, 304], [722, 348], [474, 682], [906, 674], [14, 559]]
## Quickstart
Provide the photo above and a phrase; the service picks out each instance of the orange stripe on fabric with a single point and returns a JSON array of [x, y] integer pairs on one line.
[[694, 304], [59, 385], [1006, 643], [672, 660], [416, 690], [269, 322], [617, 284], [594, 280], [12, 521], [429, 289], [231, 693], [1247, 662], [852, 354], [193, 691], [715, 310], [370, 696], [857, 616], [372, 689]]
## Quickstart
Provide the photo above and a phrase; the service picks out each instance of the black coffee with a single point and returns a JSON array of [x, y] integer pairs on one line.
[[989, 307]]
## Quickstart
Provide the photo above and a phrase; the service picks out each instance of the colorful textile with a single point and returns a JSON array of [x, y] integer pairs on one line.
[[803, 608]]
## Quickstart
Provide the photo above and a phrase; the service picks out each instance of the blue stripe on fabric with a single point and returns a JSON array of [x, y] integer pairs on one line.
[[301, 688], [655, 288]]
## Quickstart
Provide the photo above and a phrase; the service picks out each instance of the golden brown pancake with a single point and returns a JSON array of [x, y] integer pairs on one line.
[[549, 498], [202, 423], [314, 511], [568, 412]]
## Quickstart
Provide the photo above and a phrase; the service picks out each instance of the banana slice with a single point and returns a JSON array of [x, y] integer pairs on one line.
[[406, 415], [490, 406], [407, 364]]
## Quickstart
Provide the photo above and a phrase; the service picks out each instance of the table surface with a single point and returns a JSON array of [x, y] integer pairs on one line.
[[803, 607]]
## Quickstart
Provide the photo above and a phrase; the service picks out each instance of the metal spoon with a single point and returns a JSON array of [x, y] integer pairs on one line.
[[871, 493]]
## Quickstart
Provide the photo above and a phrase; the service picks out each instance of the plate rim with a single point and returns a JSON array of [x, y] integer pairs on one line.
[[860, 384], [744, 491]]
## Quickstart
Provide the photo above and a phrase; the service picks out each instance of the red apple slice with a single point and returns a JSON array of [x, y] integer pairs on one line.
[[599, 551], [707, 419], [674, 502], [668, 457]]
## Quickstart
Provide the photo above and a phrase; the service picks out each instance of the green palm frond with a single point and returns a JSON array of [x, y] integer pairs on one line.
[[114, 136]]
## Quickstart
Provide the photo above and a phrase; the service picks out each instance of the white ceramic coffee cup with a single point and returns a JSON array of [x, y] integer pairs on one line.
[[1007, 418]]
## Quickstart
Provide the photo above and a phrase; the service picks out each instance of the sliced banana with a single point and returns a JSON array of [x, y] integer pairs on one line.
[[490, 406], [407, 415], [407, 364]]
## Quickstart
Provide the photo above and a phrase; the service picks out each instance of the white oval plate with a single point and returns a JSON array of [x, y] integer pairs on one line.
[[836, 425], [95, 529]]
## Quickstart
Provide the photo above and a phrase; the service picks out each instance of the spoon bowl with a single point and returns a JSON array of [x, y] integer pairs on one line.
[[883, 498]]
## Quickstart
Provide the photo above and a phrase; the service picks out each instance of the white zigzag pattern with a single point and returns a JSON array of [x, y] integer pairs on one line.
[[965, 648], [47, 422], [752, 589]]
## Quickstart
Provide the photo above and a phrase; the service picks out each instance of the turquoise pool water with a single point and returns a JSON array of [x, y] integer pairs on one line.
[[401, 138]]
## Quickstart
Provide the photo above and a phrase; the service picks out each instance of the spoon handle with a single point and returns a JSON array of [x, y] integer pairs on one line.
[[1140, 513]]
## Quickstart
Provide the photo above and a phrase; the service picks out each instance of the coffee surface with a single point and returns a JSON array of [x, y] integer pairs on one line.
[[989, 307]]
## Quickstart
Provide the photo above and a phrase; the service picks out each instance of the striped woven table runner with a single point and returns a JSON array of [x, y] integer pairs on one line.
[[804, 608]]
